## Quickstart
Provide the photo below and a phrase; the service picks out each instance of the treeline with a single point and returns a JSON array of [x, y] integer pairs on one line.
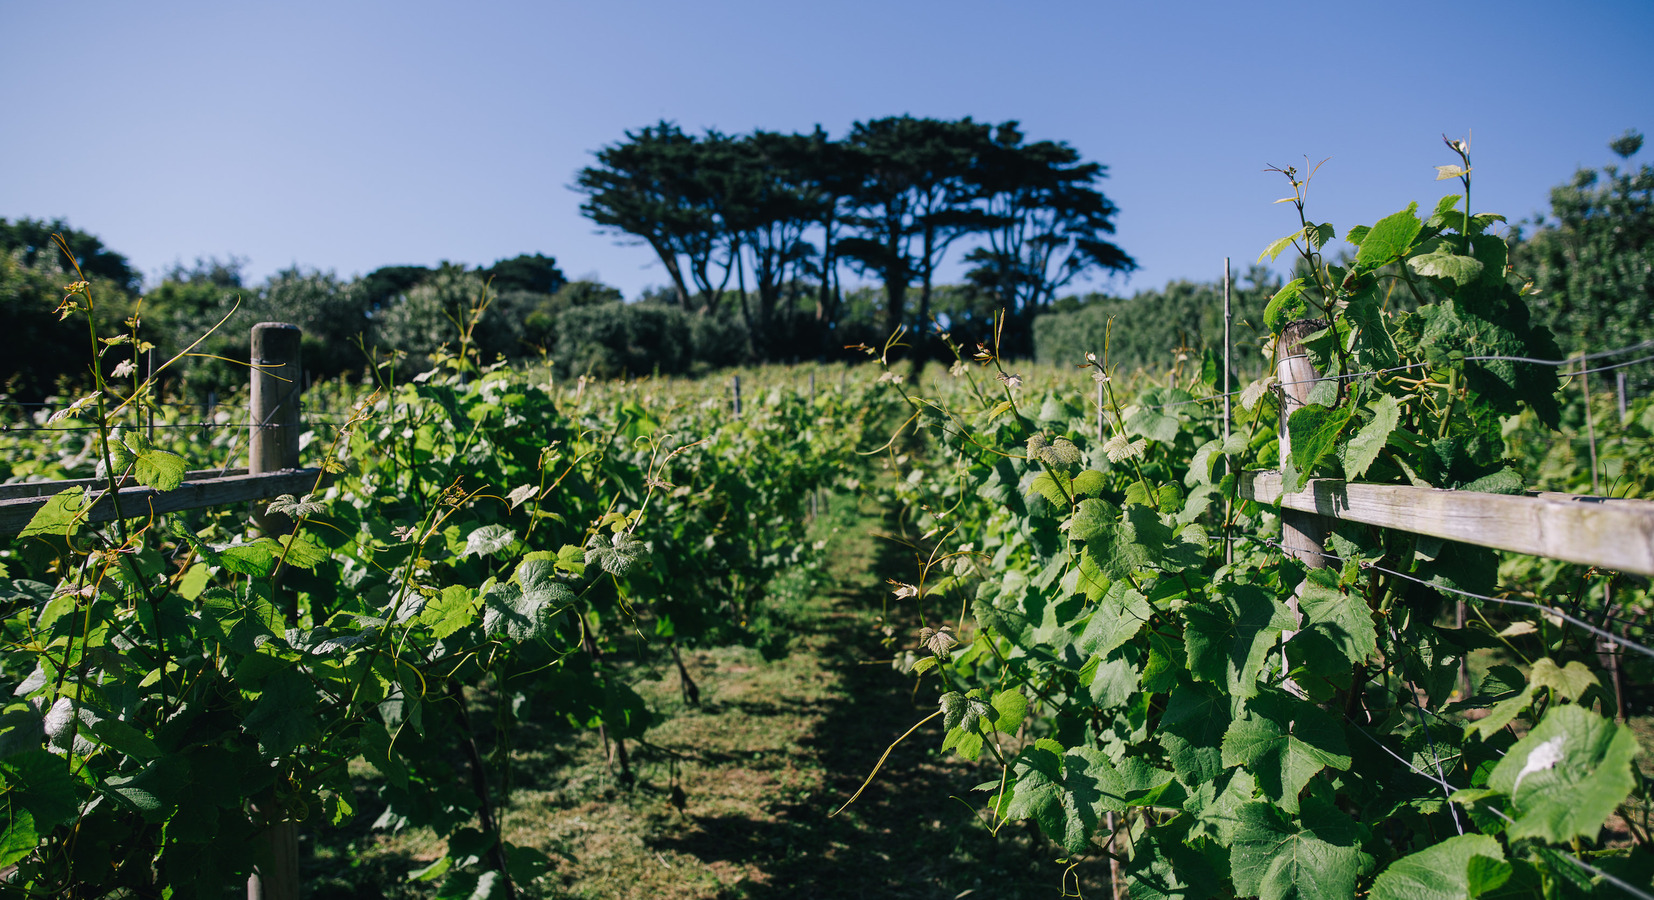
[[758, 234], [762, 221]]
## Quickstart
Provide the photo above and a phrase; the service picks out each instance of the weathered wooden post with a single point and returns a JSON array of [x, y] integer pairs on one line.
[[273, 445], [735, 380], [1302, 534], [276, 383]]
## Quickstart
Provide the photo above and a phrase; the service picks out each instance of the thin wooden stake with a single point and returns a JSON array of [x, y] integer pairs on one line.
[[1228, 316], [1619, 381], [1113, 862], [1590, 423], [1100, 422], [735, 381], [155, 393]]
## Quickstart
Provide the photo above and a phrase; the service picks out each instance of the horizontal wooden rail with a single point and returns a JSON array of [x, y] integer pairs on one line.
[[21, 489], [1594, 531], [141, 502]]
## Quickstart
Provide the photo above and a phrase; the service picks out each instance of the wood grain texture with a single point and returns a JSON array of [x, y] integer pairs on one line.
[[48, 488], [1593, 531], [141, 502]]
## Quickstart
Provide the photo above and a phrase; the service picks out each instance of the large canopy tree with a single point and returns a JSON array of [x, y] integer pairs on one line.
[[1047, 224], [671, 191], [911, 201], [1592, 258]]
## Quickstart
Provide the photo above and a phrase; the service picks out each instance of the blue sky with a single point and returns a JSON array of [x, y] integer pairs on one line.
[[350, 135]]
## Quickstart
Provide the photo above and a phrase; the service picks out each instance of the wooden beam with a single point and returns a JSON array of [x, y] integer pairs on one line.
[[48, 488], [141, 502], [1592, 531]]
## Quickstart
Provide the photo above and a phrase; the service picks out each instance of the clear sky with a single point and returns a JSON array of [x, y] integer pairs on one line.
[[349, 135]]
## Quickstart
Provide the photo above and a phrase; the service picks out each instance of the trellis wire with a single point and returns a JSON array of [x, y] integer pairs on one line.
[[1601, 633], [1495, 358]]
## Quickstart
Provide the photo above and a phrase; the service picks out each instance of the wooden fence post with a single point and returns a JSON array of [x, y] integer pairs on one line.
[[1302, 534], [277, 382], [736, 381], [273, 445]]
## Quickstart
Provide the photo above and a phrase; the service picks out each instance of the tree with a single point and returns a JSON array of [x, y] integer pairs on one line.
[[540, 321], [912, 186], [533, 273], [773, 201], [31, 241], [332, 312], [668, 190], [1592, 258], [383, 285], [1047, 224]]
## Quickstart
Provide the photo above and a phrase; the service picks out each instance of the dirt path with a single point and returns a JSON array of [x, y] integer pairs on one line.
[[732, 799]]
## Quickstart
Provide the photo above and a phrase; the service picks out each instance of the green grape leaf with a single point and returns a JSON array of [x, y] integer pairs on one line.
[[39, 781], [1089, 483], [1046, 486], [1315, 431], [1358, 454], [243, 622], [1283, 741], [304, 550], [1389, 238], [1229, 638], [521, 494], [1113, 679], [489, 540], [162, 470], [1152, 424], [1063, 792], [1279, 246], [1165, 865], [1460, 867], [59, 515], [616, 558], [377, 750], [1120, 614], [1287, 304], [195, 581], [156, 789], [118, 735], [1461, 270], [297, 507], [448, 612], [1274, 858], [284, 716], [525, 611], [20, 836], [1344, 619], [1567, 776], [1192, 732], [1503, 480], [1570, 682], [257, 558], [1012, 708]]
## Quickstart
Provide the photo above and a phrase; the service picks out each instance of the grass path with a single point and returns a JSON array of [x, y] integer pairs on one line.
[[732, 799]]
